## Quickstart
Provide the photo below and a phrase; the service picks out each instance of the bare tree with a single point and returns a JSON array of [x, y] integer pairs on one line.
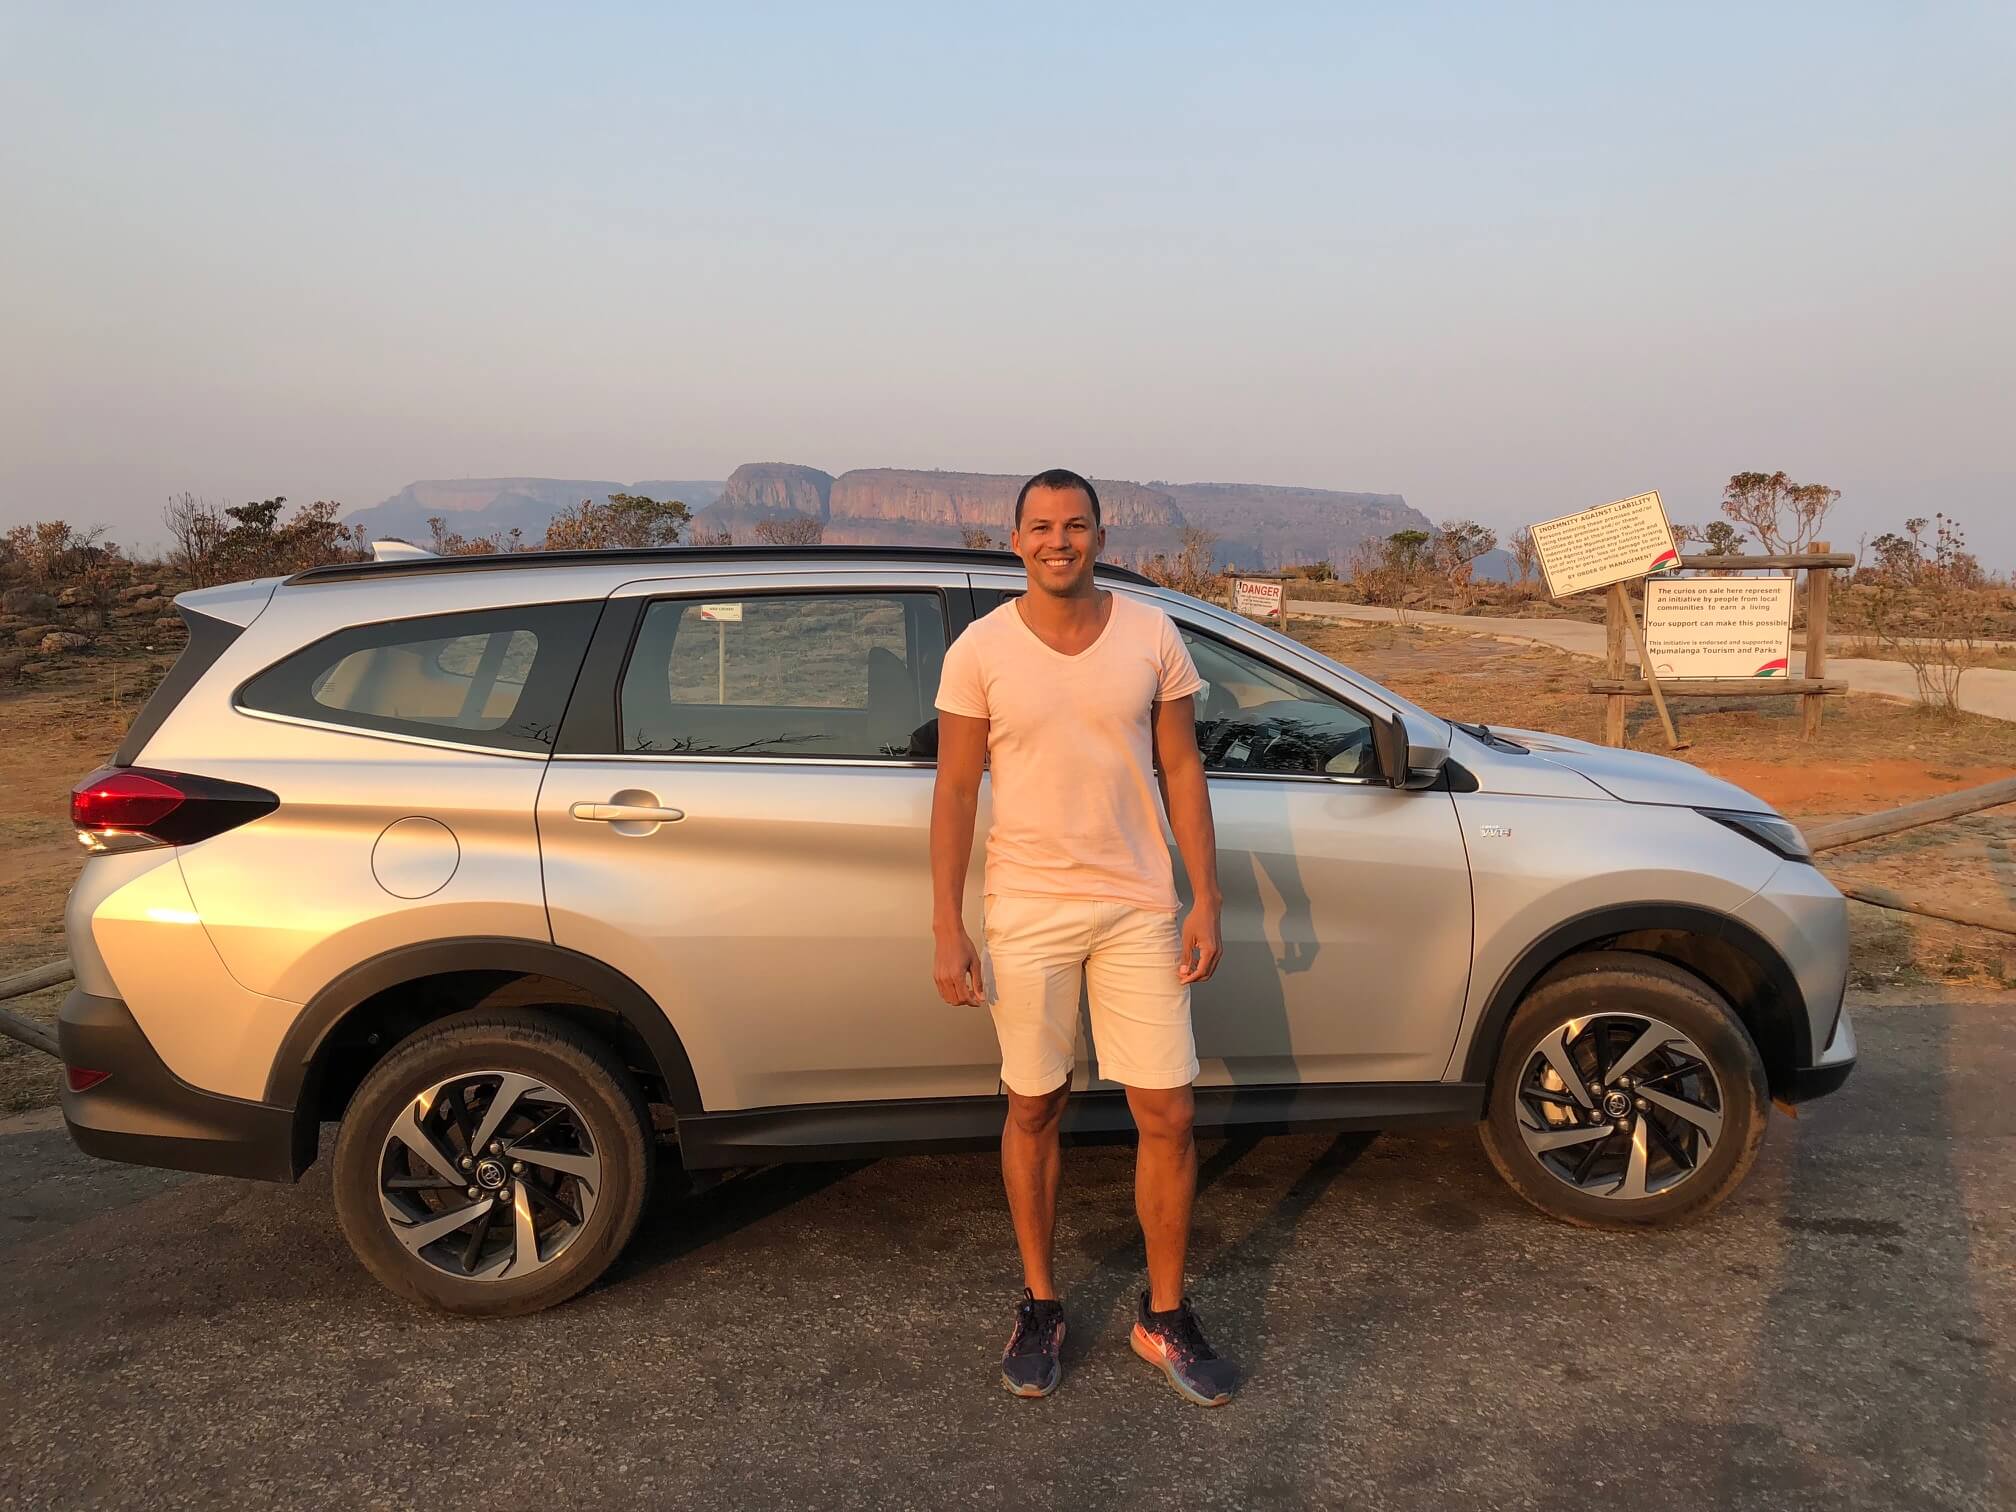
[[1194, 567], [1926, 605], [1720, 538], [623, 520], [1525, 557], [1454, 550], [1393, 571], [974, 538], [791, 530], [1783, 515], [196, 527]]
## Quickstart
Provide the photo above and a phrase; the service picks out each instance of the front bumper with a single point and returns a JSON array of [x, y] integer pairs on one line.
[[143, 1114], [1829, 1071]]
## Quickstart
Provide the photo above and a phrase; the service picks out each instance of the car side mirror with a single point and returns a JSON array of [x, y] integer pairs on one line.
[[1402, 764]]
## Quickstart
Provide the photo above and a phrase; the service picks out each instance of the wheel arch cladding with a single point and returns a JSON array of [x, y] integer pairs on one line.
[[1723, 951], [354, 1021]]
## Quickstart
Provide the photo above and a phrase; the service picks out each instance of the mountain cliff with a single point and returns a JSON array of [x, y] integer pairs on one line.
[[1266, 527], [1258, 526]]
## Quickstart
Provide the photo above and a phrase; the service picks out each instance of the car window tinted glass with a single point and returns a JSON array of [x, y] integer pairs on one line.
[[801, 674], [495, 677], [1254, 718]]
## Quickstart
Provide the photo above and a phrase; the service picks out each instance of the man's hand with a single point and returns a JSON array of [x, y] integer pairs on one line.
[[1201, 947], [956, 967]]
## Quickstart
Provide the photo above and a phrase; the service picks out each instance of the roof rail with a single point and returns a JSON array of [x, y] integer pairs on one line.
[[339, 572]]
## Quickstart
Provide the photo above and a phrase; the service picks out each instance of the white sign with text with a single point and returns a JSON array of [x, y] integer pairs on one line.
[[1611, 543], [1719, 627], [1257, 598]]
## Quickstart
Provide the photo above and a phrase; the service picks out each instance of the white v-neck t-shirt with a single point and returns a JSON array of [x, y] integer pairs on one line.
[[1076, 811]]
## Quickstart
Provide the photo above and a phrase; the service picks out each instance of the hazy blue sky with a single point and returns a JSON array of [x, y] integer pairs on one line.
[[1506, 264]]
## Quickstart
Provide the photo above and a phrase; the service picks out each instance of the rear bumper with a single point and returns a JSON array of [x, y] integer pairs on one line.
[[144, 1115], [1830, 1070]]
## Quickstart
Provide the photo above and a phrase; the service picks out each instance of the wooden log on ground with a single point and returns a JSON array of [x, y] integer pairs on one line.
[[1718, 687], [34, 979], [2000, 920], [35, 1036], [1911, 815], [27, 1031]]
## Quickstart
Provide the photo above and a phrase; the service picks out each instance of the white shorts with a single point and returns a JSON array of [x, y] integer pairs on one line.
[[1040, 949]]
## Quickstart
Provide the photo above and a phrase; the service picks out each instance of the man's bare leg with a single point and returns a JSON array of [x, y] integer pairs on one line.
[[1165, 1185], [1032, 1164]]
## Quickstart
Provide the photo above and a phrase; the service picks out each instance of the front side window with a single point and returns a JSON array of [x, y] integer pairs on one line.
[[493, 677], [1255, 719], [790, 674]]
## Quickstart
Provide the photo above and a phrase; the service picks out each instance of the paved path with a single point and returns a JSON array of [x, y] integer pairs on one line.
[[1841, 1335], [1983, 690]]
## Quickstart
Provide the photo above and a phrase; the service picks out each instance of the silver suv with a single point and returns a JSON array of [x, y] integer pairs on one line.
[[513, 866]]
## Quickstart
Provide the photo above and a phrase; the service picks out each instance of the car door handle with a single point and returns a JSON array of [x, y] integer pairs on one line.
[[626, 813]]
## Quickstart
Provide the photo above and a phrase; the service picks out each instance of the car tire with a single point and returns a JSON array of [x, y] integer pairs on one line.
[[568, 1162], [1698, 1099]]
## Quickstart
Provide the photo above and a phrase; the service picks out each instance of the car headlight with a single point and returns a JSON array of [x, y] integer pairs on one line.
[[1780, 836]]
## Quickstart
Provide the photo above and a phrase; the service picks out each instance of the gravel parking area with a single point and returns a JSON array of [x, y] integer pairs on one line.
[[1838, 1336]]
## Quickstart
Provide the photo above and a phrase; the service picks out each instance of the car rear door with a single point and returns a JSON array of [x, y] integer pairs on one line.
[[737, 816], [1347, 902]]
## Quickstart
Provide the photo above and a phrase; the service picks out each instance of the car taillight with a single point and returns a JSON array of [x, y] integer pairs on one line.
[[168, 808], [82, 1080]]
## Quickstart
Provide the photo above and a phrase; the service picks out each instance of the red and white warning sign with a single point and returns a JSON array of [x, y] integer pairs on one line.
[[1257, 598]]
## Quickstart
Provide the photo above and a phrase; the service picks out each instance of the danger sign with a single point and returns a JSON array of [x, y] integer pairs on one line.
[[1257, 598]]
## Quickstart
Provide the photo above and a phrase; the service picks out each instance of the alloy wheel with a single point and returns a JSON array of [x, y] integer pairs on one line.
[[1619, 1105], [489, 1176]]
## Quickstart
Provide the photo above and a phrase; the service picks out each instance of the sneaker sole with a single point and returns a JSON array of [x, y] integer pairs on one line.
[[1037, 1391], [1154, 1357]]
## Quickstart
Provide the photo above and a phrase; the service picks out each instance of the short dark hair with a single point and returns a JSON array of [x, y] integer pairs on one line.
[[1059, 477]]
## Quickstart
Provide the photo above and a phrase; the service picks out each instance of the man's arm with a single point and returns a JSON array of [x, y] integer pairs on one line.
[[955, 800], [1188, 800]]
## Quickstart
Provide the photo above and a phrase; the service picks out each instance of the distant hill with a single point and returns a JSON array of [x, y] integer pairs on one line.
[[478, 506], [1260, 526], [1266, 527]]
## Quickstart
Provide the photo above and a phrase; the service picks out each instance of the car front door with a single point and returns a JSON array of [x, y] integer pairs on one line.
[[1347, 901], [1347, 915], [737, 814]]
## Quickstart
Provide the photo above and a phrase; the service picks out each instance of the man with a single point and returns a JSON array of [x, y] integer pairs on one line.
[[1076, 697]]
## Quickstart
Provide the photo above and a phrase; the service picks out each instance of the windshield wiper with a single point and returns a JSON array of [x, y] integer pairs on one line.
[[1488, 735]]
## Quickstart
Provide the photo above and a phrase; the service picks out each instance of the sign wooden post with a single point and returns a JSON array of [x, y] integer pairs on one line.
[[1813, 704], [722, 616], [1651, 678], [1613, 663]]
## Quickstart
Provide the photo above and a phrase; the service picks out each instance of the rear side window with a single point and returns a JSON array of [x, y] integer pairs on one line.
[[803, 674], [208, 639], [491, 677]]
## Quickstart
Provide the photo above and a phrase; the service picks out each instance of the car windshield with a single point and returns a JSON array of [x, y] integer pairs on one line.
[[1404, 705]]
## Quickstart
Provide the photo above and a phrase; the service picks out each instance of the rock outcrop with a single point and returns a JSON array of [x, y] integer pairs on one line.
[[1257, 525], [1267, 527]]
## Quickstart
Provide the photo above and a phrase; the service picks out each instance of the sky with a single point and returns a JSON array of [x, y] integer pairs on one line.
[[1508, 262]]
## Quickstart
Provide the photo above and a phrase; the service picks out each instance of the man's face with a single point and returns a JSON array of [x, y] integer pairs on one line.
[[1058, 540]]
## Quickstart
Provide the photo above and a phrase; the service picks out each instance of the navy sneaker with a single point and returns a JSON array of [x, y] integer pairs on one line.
[[1029, 1366], [1175, 1345]]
